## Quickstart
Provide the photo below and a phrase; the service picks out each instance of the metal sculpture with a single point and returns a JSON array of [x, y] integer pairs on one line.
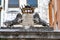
[[39, 21], [17, 20]]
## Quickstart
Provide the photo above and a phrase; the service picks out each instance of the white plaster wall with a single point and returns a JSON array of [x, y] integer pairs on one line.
[[2, 12], [43, 9]]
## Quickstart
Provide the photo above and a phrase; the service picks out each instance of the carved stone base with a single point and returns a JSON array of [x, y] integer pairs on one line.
[[27, 20]]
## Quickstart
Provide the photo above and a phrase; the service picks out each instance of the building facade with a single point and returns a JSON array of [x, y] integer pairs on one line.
[[47, 11], [11, 8]]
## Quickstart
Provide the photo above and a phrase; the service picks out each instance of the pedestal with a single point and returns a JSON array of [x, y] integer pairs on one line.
[[27, 20]]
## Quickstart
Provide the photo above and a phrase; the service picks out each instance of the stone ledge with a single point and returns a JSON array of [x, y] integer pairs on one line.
[[21, 29], [48, 35]]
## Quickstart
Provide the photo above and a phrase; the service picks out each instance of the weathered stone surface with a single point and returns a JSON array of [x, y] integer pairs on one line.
[[27, 20], [33, 32]]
